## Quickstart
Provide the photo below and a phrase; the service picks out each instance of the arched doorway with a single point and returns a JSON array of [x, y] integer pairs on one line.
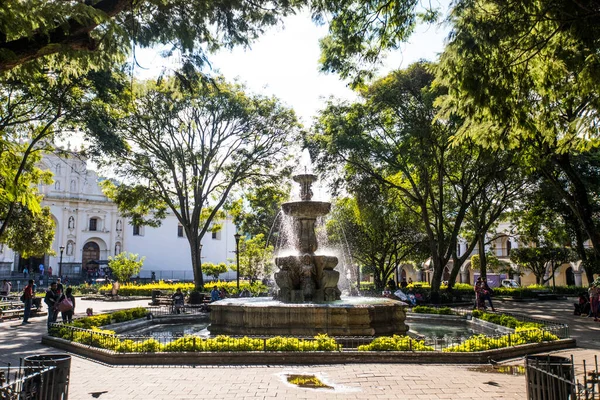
[[570, 276], [91, 252]]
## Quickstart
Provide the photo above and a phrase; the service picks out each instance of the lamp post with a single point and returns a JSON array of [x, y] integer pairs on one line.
[[237, 237], [62, 249], [357, 279]]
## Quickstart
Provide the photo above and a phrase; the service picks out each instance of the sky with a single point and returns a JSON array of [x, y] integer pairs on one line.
[[284, 62]]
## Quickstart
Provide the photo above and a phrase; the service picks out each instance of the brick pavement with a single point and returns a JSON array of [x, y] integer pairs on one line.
[[90, 379]]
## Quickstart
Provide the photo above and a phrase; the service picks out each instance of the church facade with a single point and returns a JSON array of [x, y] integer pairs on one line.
[[89, 229]]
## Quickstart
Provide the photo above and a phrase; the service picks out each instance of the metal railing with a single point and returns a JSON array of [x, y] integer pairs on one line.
[[554, 378], [29, 382]]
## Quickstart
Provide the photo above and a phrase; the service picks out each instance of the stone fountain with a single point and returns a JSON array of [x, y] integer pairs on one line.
[[306, 276], [308, 300]]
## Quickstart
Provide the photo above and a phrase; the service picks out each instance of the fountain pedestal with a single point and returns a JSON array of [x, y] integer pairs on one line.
[[308, 299]]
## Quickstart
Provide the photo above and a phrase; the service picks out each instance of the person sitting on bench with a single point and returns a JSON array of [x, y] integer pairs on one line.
[[582, 307]]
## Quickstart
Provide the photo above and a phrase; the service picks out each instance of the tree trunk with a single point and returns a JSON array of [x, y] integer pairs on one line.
[[436, 280], [456, 264], [196, 253], [482, 256]]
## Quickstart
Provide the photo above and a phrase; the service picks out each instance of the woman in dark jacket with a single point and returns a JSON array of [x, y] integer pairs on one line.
[[67, 316]]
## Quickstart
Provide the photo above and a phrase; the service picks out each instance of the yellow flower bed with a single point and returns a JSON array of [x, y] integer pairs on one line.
[[145, 289]]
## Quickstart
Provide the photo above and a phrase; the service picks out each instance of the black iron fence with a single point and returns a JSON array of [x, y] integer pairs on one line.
[[165, 310], [44, 377], [553, 378]]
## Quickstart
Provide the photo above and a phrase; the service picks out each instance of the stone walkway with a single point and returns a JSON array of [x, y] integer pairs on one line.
[[90, 379]]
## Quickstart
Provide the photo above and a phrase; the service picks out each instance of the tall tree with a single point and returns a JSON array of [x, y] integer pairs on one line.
[[256, 258], [260, 210], [394, 137], [540, 260], [191, 146], [382, 232], [525, 77]]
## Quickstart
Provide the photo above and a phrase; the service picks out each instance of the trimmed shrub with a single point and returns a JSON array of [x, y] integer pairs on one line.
[[521, 336], [395, 343], [432, 310]]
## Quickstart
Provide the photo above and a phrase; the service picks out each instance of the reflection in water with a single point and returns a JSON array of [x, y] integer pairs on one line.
[[500, 369]]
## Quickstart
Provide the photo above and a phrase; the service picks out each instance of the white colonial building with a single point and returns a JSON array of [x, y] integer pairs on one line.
[[89, 229], [500, 243]]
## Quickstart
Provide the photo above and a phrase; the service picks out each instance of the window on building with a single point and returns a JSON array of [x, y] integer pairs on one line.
[[214, 235], [136, 230], [179, 231], [93, 224]]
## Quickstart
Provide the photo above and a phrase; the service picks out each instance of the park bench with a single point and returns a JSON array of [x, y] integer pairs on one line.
[[15, 309]]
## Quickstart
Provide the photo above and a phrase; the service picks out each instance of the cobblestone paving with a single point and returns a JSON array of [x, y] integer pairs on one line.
[[90, 379]]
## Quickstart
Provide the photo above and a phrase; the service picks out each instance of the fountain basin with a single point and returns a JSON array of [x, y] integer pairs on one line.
[[362, 316], [306, 209]]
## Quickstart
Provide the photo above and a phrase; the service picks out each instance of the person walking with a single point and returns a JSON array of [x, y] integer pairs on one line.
[[487, 294], [28, 295], [479, 301], [51, 300]]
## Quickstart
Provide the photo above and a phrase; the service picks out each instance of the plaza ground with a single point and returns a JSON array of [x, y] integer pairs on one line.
[[90, 379]]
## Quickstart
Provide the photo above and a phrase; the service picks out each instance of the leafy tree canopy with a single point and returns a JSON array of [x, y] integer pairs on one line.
[[125, 265], [74, 36], [541, 259], [191, 146], [256, 258], [31, 233], [214, 270]]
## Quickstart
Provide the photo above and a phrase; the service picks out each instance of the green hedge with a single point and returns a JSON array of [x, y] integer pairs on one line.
[[505, 320], [432, 310], [395, 343], [521, 336], [96, 321]]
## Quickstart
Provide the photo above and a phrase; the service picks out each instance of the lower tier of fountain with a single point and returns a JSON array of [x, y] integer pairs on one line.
[[351, 316]]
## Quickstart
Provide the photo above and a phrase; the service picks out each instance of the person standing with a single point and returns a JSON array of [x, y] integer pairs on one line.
[[594, 292], [59, 286], [50, 272], [479, 303], [51, 300], [487, 294], [67, 316], [28, 294], [41, 270], [25, 272]]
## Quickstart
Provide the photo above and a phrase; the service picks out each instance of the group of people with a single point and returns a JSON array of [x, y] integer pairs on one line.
[[483, 292], [58, 300], [589, 304], [217, 294]]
